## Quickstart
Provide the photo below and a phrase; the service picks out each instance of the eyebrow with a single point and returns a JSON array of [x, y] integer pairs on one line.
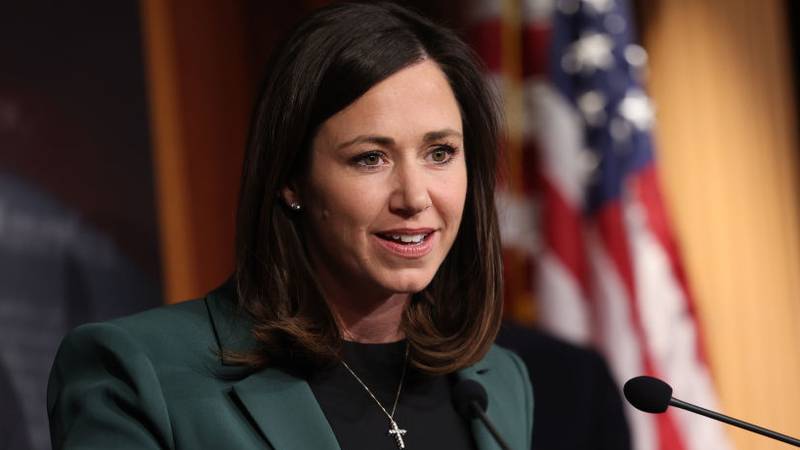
[[387, 141]]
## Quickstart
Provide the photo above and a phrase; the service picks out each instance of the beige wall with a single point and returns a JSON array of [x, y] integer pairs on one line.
[[727, 144]]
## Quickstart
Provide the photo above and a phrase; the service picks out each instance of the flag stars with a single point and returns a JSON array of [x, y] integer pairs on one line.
[[637, 109], [635, 55], [614, 23], [595, 6], [592, 104], [600, 6], [589, 53]]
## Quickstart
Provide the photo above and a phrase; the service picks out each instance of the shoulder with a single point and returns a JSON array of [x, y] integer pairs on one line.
[[180, 317], [507, 363], [123, 360], [142, 362], [179, 327], [167, 331]]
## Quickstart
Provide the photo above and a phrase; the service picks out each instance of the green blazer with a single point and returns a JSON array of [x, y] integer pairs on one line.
[[156, 380]]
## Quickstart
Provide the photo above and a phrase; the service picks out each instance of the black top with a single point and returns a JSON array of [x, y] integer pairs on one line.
[[425, 408]]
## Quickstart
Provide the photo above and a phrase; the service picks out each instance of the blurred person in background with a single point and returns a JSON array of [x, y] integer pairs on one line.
[[578, 404], [13, 432], [77, 222]]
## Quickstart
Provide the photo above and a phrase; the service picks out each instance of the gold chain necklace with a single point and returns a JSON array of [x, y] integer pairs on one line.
[[394, 429]]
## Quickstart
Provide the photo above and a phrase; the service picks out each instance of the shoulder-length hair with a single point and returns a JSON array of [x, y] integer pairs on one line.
[[331, 59]]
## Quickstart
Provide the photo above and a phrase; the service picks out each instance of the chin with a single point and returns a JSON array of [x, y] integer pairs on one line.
[[402, 283]]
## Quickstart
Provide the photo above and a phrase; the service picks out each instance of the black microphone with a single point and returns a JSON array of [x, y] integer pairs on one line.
[[652, 395], [471, 401]]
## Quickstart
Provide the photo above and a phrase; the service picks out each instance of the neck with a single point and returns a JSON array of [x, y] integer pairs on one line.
[[363, 316], [371, 322]]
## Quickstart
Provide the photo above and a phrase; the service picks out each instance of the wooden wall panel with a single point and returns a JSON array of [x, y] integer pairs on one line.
[[200, 99], [727, 142]]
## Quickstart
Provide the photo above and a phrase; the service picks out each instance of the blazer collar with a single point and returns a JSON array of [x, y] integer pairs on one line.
[[482, 373], [283, 406], [231, 326]]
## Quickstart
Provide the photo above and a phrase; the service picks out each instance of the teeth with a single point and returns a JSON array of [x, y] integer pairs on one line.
[[408, 238]]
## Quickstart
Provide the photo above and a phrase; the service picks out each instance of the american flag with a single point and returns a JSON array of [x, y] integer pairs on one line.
[[583, 222]]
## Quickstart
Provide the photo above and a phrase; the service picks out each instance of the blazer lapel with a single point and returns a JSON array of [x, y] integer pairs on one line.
[[481, 372], [282, 406], [285, 410]]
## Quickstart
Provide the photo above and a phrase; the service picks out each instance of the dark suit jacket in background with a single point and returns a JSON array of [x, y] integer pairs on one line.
[[578, 405], [13, 434]]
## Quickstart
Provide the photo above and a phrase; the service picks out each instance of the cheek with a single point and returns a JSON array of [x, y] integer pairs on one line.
[[344, 207], [453, 195]]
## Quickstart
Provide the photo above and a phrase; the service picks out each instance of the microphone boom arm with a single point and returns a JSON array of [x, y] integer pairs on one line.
[[735, 422], [476, 408]]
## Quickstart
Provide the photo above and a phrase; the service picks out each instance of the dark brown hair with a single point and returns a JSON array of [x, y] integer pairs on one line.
[[330, 60]]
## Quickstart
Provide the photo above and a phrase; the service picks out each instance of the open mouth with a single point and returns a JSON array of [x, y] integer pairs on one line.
[[412, 244], [405, 239]]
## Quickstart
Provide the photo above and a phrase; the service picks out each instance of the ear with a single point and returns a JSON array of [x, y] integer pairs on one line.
[[291, 198]]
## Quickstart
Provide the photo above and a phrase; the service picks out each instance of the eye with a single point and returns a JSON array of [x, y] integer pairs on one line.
[[369, 159], [442, 154]]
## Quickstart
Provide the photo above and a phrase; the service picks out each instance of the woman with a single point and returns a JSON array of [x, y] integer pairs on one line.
[[368, 269]]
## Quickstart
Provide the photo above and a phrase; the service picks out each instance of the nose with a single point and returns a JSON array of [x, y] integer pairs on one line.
[[410, 195]]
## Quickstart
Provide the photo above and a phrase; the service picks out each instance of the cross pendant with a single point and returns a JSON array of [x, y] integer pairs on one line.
[[398, 434]]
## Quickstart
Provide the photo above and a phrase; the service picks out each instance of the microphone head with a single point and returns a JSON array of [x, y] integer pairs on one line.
[[464, 393], [648, 394]]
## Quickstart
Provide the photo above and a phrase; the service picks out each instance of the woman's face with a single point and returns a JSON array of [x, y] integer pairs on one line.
[[387, 185]]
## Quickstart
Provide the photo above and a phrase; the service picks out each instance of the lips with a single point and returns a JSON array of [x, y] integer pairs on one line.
[[407, 243]]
